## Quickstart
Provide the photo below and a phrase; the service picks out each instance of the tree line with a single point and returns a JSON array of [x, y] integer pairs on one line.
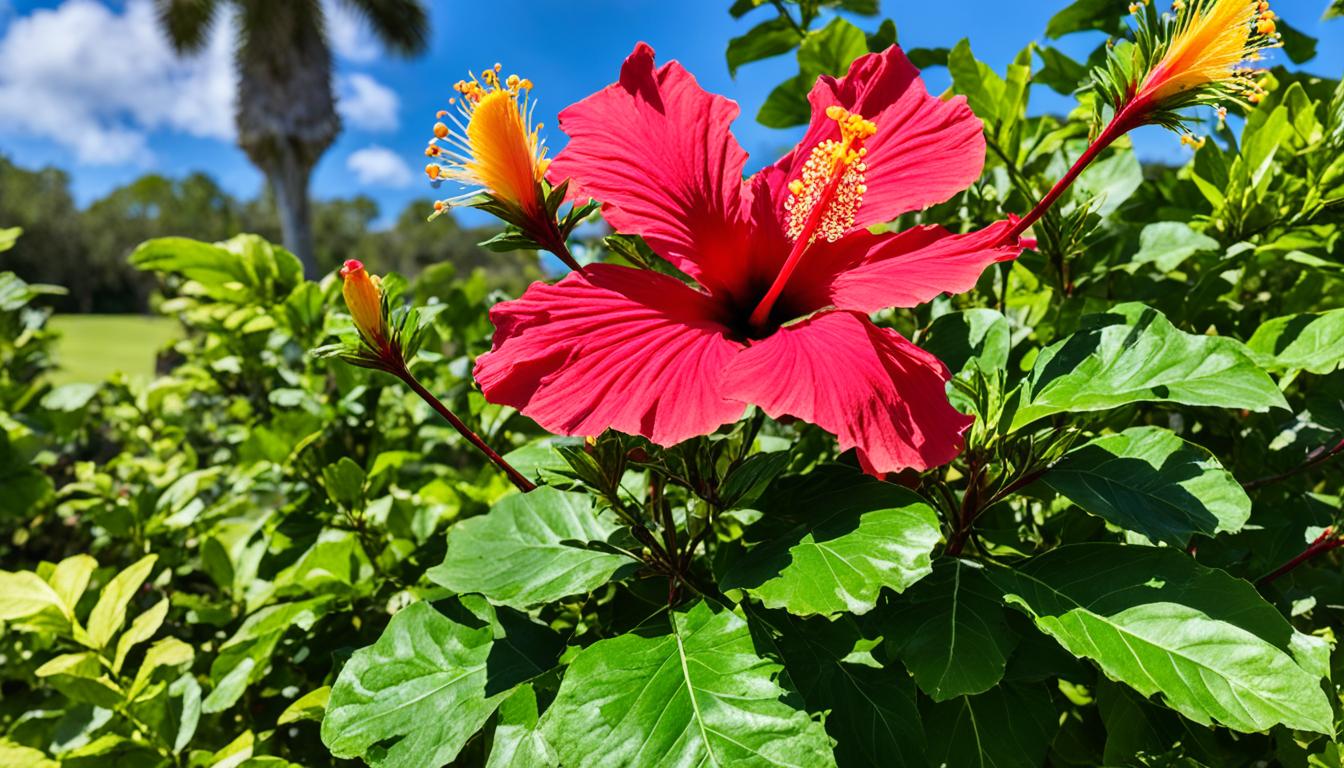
[[85, 250]]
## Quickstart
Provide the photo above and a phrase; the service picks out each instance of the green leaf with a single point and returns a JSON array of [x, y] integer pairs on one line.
[[310, 706], [70, 578], [430, 682], [1309, 342], [244, 657], [24, 593], [81, 677], [110, 611], [831, 49], [787, 106], [518, 742], [698, 695], [142, 628], [751, 478], [769, 38], [958, 337], [1059, 72], [16, 755], [1105, 15], [1008, 726], [1110, 181], [185, 700], [1132, 354], [165, 653], [825, 51], [1149, 480], [244, 269], [872, 709], [1159, 622], [831, 540], [950, 631], [977, 81], [1166, 244], [345, 483], [530, 549], [1299, 46], [8, 237]]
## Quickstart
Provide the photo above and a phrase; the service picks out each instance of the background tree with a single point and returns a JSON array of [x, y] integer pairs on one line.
[[286, 108]]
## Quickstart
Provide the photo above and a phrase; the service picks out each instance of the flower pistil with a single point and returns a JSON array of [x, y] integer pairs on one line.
[[825, 197]]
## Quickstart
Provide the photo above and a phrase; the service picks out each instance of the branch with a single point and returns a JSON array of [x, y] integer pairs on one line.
[[403, 373], [1318, 456], [1323, 543]]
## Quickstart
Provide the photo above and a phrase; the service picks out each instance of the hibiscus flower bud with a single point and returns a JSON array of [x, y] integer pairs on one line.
[[364, 298]]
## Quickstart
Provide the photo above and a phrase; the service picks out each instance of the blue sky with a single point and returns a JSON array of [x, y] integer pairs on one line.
[[88, 86]]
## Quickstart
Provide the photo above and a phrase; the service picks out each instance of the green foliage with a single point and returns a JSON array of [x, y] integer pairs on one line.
[[269, 557]]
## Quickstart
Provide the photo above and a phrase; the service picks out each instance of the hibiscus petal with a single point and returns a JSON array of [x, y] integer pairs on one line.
[[656, 149], [611, 346], [866, 272], [868, 386], [925, 150]]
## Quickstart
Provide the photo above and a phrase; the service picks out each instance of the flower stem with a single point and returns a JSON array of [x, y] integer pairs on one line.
[[404, 373], [1119, 126], [1322, 544], [552, 241], [1315, 458]]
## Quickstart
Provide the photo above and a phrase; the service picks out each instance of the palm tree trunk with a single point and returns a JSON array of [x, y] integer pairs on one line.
[[289, 184]]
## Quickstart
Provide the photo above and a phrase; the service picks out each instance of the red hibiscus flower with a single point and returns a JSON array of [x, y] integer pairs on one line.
[[787, 271]]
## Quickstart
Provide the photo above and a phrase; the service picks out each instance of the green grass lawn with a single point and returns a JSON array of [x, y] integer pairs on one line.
[[92, 347]]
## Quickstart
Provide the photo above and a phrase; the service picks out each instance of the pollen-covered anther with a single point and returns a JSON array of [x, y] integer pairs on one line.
[[832, 177]]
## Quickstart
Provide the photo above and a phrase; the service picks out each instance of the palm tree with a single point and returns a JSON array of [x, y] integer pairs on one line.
[[286, 109]]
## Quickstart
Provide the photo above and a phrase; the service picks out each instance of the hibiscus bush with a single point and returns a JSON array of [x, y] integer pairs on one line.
[[955, 436]]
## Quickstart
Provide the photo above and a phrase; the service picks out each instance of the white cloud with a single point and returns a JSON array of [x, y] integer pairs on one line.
[[379, 167], [366, 103], [349, 35], [98, 82]]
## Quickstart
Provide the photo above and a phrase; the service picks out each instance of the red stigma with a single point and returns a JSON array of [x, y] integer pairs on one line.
[[351, 266]]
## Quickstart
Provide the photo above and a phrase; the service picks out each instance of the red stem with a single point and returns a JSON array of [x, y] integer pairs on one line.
[[403, 373], [1322, 544], [1120, 125], [552, 241], [1316, 457]]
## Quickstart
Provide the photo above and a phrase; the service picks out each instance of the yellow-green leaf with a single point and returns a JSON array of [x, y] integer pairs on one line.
[[110, 612], [309, 706], [24, 593], [18, 756], [69, 579], [168, 652], [142, 628]]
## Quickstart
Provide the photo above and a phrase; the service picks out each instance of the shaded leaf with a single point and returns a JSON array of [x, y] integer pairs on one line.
[[872, 713], [1149, 480], [950, 631], [1008, 726]]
